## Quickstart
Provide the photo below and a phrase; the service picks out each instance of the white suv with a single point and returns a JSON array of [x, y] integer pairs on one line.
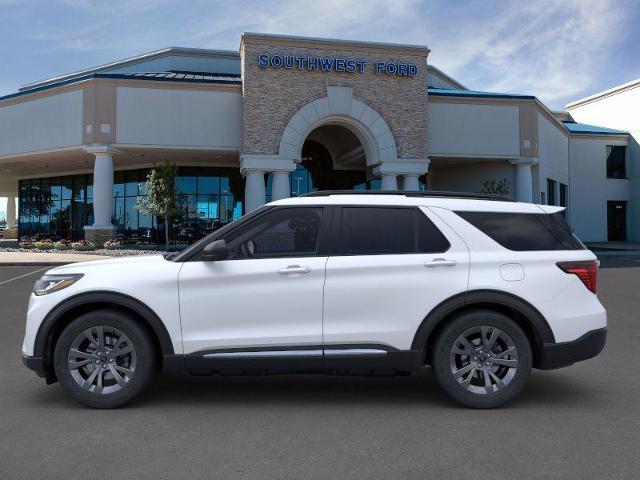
[[480, 288]]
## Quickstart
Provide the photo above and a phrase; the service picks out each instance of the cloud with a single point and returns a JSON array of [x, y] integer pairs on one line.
[[550, 49], [557, 50]]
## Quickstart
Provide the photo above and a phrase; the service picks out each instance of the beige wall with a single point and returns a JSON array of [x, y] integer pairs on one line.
[[271, 96], [50, 122], [466, 129], [176, 117], [469, 176]]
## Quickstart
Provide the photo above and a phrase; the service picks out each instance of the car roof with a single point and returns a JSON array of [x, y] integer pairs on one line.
[[400, 199]]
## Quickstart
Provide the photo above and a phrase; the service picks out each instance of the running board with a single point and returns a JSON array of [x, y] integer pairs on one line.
[[339, 359]]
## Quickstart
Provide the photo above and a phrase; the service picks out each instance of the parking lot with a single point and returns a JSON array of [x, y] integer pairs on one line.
[[578, 422]]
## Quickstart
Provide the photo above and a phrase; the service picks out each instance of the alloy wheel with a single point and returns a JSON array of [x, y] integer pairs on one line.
[[483, 360], [102, 360]]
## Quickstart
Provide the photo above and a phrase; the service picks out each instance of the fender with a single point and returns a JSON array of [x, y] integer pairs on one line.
[[536, 320], [111, 298]]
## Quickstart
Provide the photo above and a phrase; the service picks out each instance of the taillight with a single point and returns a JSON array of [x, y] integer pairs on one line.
[[586, 271]]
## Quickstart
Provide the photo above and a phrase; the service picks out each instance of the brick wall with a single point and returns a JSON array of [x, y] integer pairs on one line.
[[271, 96]]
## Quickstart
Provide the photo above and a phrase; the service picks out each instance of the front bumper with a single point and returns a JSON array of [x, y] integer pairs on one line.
[[41, 366], [556, 355], [37, 364]]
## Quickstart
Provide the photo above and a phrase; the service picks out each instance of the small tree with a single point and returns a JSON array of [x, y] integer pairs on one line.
[[160, 191], [500, 187]]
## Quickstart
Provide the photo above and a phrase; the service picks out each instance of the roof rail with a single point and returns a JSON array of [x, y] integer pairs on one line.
[[425, 193]]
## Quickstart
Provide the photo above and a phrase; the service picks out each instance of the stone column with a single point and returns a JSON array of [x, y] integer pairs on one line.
[[11, 211], [410, 183], [254, 190], [253, 166], [102, 229], [389, 182], [409, 170], [280, 187], [524, 178]]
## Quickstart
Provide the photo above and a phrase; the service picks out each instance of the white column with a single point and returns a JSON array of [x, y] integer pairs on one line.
[[411, 183], [524, 179], [280, 187], [11, 212], [103, 189], [254, 191], [389, 182]]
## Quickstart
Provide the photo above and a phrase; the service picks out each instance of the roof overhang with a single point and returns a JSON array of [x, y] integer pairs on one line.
[[145, 57]]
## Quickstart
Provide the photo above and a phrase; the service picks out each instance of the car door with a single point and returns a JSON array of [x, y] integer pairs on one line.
[[266, 296], [392, 266]]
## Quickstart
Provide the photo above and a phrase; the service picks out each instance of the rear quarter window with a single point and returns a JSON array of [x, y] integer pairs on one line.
[[525, 231]]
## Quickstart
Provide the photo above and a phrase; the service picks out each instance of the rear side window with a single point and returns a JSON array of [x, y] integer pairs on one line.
[[378, 231], [525, 231]]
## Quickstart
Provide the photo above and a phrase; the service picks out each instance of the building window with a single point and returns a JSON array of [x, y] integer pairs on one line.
[[60, 207], [564, 190], [551, 191], [543, 200], [616, 161]]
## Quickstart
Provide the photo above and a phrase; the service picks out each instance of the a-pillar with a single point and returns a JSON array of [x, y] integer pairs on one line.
[[524, 178], [102, 228]]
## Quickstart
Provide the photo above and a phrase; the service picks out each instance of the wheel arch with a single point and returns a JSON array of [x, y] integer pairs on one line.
[[65, 312], [522, 312]]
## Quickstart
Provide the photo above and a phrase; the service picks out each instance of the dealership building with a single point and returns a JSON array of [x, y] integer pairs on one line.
[[287, 115]]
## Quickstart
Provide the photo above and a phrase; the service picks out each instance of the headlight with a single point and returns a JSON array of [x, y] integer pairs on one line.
[[52, 283]]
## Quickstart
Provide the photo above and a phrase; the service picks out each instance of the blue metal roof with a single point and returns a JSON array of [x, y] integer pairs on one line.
[[445, 92], [187, 77], [585, 128]]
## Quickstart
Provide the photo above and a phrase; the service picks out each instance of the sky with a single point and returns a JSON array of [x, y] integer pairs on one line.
[[557, 50]]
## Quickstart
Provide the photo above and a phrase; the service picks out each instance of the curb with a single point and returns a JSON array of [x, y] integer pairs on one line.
[[33, 264]]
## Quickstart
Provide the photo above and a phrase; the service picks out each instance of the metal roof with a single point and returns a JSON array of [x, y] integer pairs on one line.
[[585, 128], [445, 92], [186, 77]]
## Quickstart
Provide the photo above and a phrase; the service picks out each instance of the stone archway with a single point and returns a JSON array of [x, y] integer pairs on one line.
[[340, 108]]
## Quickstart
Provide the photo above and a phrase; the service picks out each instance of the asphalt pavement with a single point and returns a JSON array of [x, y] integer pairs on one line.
[[579, 422]]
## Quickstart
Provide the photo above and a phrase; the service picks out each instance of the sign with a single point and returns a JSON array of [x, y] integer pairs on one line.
[[335, 64]]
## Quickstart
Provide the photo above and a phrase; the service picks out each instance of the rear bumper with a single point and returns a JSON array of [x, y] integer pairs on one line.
[[556, 355]]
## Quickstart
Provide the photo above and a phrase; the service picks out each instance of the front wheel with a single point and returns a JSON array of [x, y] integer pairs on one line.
[[482, 359], [104, 358]]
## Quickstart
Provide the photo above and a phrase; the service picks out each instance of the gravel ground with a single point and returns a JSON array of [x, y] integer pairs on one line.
[[101, 251]]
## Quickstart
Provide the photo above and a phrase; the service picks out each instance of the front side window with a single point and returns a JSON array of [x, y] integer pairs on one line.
[[616, 161], [378, 230], [286, 232]]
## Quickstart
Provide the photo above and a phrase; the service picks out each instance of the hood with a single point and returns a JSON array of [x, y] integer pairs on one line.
[[80, 267]]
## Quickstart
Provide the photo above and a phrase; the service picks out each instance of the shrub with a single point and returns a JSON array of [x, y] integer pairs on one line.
[[46, 244], [26, 242], [113, 244], [83, 245], [62, 245]]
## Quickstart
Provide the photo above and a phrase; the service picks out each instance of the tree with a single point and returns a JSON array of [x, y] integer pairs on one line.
[[498, 188], [161, 199]]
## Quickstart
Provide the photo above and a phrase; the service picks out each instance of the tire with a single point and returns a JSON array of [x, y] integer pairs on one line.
[[117, 375], [488, 379]]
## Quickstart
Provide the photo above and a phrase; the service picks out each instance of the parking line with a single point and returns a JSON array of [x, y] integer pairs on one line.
[[24, 275]]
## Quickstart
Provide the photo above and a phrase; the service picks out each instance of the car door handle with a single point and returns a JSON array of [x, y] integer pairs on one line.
[[294, 269], [440, 262]]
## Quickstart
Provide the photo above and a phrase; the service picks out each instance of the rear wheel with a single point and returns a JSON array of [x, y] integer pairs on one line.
[[482, 359], [104, 358]]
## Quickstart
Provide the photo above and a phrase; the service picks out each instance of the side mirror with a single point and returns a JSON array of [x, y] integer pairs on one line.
[[215, 251]]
